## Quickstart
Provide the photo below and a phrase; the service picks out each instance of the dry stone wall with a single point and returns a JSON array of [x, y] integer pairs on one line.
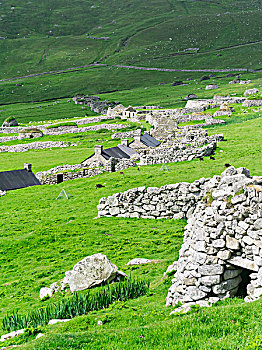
[[222, 247], [52, 179], [178, 153], [35, 145], [169, 201]]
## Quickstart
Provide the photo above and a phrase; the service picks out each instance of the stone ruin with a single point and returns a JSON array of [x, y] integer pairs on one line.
[[94, 102], [221, 254]]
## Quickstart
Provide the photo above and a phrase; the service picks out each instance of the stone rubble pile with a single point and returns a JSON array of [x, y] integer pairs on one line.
[[94, 102], [222, 242]]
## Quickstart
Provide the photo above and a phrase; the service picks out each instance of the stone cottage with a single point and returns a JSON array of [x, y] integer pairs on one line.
[[101, 156], [143, 142]]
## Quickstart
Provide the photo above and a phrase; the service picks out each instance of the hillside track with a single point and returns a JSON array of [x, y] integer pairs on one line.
[[67, 70], [209, 51]]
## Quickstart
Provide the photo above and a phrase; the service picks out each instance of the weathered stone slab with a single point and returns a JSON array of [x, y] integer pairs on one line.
[[209, 270], [227, 285], [245, 263]]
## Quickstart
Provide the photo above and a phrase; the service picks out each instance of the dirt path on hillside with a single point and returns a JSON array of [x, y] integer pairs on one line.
[[208, 70]]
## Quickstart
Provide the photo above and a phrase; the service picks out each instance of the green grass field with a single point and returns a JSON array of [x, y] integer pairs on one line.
[[41, 238]]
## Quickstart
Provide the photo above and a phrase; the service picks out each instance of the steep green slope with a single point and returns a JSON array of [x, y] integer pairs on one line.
[[46, 237], [51, 35]]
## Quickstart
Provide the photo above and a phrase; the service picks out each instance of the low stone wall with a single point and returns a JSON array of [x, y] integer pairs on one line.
[[169, 201], [126, 134], [73, 130], [176, 154], [93, 120], [35, 145], [52, 179], [8, 138], [252, 103], [78, 171]]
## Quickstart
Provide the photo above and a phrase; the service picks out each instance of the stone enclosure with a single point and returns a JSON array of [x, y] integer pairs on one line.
[[221, 253]]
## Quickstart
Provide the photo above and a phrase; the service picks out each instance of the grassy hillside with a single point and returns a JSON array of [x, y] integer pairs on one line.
[[46, 237], [52, 35], [42, 237]]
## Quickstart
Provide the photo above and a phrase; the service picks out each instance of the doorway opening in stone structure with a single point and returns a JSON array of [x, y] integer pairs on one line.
[[242, 287]]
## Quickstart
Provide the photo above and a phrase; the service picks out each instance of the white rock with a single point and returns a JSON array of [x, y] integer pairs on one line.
[[54, 321], [232, 243], [12, 334], [39, 335], [45, 292]]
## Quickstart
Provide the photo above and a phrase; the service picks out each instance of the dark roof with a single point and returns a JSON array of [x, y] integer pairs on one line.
[[120, 151], [149, 140], [128, 150], [15, 179]]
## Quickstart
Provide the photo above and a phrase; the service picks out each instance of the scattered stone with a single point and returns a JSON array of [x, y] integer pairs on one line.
[[211, 87], [54, 321], [12, 334], [251, 92], [39, 335], [141, 261], [45, 293]]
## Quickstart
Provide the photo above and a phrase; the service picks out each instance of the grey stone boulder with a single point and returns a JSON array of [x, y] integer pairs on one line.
[[90, 272]]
